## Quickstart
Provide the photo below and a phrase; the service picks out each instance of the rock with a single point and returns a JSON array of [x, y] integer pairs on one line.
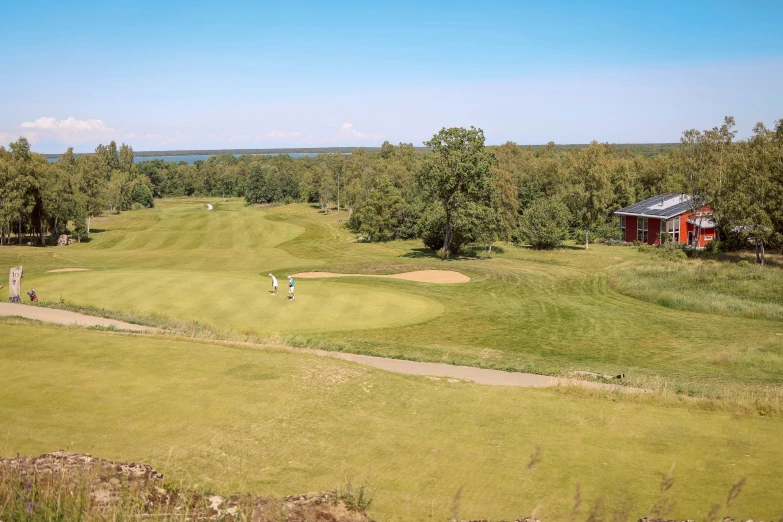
[[63, 240], [111, 484]]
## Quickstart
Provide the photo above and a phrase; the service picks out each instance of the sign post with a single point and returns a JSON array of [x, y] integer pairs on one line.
[[15, 284]]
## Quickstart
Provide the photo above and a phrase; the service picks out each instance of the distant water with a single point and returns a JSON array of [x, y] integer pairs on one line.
[[203, 157], [193, 158]]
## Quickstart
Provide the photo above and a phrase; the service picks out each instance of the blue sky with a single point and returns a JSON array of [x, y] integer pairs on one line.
[[169, 75]]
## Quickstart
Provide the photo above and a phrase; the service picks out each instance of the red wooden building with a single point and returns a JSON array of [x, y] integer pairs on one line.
[[667, 214]]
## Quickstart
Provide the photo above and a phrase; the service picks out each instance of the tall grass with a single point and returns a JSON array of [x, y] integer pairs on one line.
[[104, 493], [705, 286]]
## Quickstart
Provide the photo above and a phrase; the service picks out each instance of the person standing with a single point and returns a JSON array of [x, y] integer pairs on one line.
[[291, 287], [274, 284]]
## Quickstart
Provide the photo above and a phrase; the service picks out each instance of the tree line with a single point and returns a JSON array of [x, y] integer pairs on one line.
[[38, 197], [461, 192]]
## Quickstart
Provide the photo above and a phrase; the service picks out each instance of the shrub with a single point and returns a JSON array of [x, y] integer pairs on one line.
[[80, 227], [137, 206], [714, 247], [743, 264], [544, 224], [142, 195], [672, 255], [605, 232]]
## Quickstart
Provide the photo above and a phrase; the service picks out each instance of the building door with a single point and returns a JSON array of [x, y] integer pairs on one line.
[[690, 238]]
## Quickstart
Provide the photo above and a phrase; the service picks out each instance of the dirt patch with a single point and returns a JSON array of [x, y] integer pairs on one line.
[[419, 276], [108, 490], [61, 270]]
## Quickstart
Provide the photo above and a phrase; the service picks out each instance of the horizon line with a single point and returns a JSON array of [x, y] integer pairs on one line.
[[295, 150]]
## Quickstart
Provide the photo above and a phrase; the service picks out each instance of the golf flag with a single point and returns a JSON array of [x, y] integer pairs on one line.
[[15, 284]]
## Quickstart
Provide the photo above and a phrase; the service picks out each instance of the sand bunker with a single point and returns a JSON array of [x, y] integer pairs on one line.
[[59, 270], [419, 276]]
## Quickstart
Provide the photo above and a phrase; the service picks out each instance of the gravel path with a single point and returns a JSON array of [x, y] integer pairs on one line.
[[439, 370], [51, 315], [470, 373]]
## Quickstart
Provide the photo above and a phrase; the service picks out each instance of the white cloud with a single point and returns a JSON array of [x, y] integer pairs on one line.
[[349, 132], [282, 135], [69, 130], [6, 138]]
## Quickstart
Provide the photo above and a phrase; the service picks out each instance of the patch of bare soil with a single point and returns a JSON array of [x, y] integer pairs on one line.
[[104, 487], [419, 276], [61, 270]]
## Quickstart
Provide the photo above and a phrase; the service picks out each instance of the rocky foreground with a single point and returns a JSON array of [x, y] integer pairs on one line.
[[89, 488], [78, 486]]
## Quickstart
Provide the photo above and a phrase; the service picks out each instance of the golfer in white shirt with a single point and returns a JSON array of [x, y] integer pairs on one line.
[[274, 284]]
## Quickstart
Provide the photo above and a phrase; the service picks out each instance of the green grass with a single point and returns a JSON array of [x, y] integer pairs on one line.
[[545, 312], [271, 421], [237, 418], [242, 304], [724, 288]]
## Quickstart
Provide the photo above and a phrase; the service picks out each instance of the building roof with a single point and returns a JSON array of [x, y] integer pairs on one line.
[[703, 222], [663, 206]]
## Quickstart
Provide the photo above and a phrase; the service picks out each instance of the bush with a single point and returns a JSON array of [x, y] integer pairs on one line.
[[142, 196], [714, 247], [743, 264], [544, 224], [432, 227], [80, 227], [672, 255], [409, 220], [605, 232], [136, 206]]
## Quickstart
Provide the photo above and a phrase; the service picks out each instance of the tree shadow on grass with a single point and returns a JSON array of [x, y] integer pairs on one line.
[[420, 253], [474, 250]]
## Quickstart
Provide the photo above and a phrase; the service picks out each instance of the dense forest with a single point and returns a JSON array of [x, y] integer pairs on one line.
[[458, 193]]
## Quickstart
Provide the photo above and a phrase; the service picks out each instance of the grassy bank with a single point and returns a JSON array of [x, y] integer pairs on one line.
[[232, 419]]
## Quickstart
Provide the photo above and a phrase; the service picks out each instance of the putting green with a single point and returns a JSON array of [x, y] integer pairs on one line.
[[240, 304]]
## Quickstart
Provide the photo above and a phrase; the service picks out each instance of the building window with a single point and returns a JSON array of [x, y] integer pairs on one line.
[[673, 227], [641, 229], [622, 226]]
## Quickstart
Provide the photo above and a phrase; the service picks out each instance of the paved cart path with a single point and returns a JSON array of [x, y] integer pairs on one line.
[[438, 370], [470, 373], [51, 315]]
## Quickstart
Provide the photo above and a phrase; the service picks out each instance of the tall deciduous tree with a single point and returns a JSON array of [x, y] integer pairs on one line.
[[381, 214], [749, 202], [702, 162], [457, 174], [591, 191]]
